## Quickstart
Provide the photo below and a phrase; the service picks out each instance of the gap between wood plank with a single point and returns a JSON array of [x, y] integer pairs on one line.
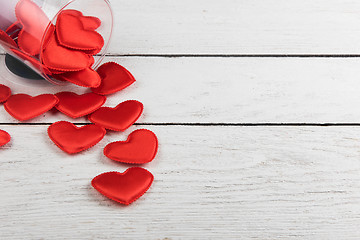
[[213, 124], [234, 55], [238, 55]]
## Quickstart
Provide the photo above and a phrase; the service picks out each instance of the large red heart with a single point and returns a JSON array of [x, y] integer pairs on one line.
[[88, 22], [84, 78], [77, 106], [114, 77], [34, 22], [6, 40], [84, 39], [24, 107], [5, 93], [59, 58], [140, 147], [73, 139], [119, 118], [4, 138], [124, 187]]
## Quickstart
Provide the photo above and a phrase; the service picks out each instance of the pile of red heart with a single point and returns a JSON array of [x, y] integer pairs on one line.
[[63, 51], [139, 148], [66, 53]]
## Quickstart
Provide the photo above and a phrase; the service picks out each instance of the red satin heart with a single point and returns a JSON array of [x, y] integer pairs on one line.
[[73, 139], [34, 22], [88, 22], [6, 40], [125, 187], [84, 78], [84, 39], [24, 107], [5, 93], [114, 78], [140, 147], [77, 106], [119, 118], [59, 58], [4, 138]]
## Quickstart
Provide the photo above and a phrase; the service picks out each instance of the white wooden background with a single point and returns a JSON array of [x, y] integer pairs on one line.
[[256, 104]]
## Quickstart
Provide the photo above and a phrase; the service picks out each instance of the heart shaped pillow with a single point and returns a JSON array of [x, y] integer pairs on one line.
[[24, 107], [5, 93], [73, 139], [119, 118], [34, 22], [124, 187], [84, 39], [76, 106], [114, 78], [4, 138], [140, 147], [59, 58]]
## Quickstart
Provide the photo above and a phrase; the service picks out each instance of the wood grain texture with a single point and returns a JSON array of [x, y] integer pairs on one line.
[[236, 27], [223, 182], [231, 90], [211, 182]]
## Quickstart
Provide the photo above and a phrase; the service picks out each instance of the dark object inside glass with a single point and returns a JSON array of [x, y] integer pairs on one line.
[[20, 69]]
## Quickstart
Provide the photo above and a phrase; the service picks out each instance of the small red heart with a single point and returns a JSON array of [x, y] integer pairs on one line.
[[114, 78], [4, 138], [5, 93], [84, 39], [59, 58], [125, 187], [24, 107], [77, 106], [84, 78], [119, 118], [73, 139], [140, 147], [89, 22], [34, 22]]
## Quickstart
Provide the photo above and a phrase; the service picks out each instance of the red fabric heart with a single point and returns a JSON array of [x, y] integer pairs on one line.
[[84, 39], [4, 138], [24, 107], [119, 118], [77, 106], [114, 78], [59, 58], [88, 22], [34, 22], [73, 139], [6, 40], [84, 78], [140, 147], [125, 187], [5, 93]]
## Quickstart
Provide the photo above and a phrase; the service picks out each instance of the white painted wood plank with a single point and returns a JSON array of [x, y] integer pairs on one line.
[[232, 90], [210, 183], [236, 27]]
